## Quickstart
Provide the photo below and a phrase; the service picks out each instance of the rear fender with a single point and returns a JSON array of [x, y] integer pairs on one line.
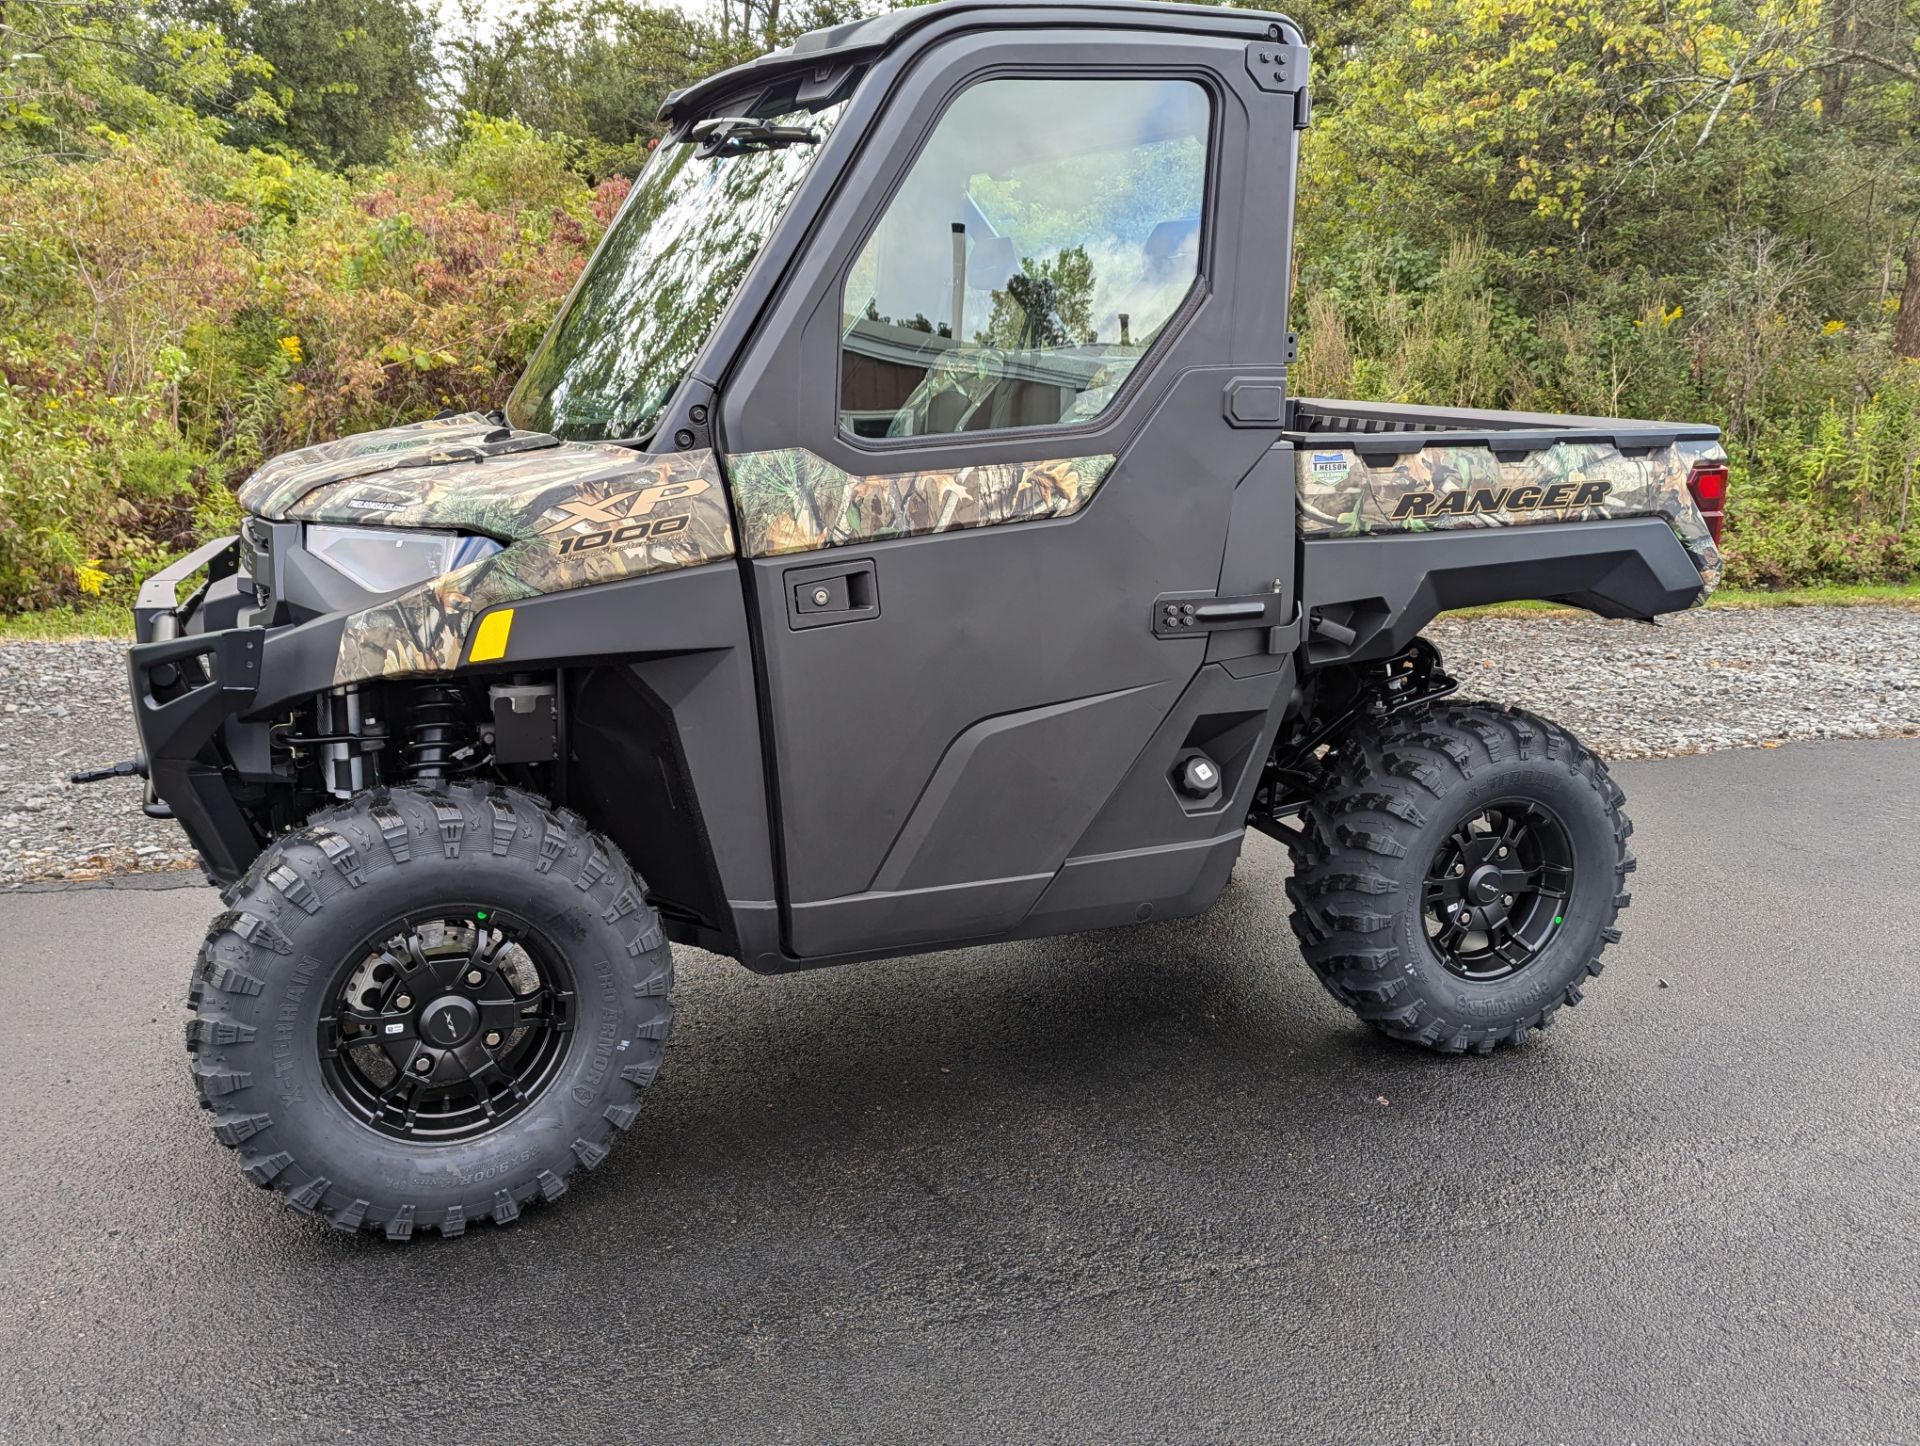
[[1369, 597]]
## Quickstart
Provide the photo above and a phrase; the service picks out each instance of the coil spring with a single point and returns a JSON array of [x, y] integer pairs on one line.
[[437, 729]]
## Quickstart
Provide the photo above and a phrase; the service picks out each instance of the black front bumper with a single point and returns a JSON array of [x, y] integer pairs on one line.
[[210, 676], [187, 685]]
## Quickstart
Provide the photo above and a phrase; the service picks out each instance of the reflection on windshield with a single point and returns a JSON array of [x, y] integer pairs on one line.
[[673, 260]]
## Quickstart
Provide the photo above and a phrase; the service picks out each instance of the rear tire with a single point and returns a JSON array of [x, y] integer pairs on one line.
[[1456, 881], [475, 937]]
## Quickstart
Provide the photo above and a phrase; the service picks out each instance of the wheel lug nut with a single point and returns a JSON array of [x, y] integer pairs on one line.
[[493, 1039], [422, 1065], [1503, 853], [405, 1001], [1506, 899], [474, 976]]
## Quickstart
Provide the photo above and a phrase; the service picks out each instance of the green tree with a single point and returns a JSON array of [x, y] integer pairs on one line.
[[1049, 302], [347, 81], [598, 72], [74, 77], [741, 29], [593, 72], [1599, 149]]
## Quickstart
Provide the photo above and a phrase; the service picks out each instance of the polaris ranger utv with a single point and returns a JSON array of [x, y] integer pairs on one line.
[[904, 538]]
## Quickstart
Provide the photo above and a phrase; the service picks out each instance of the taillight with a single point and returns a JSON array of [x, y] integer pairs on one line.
[[1708, 484]]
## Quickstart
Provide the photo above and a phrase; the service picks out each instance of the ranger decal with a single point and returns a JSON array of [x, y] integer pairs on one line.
[[1450, 485], [1465, 503]]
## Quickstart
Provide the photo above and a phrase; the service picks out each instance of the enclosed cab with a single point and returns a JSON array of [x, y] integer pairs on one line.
[[905, 537]]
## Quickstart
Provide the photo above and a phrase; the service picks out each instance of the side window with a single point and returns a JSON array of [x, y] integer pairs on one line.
[[1041, 241]]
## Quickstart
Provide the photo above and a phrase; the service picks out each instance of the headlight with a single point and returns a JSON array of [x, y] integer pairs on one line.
[[385, 559]]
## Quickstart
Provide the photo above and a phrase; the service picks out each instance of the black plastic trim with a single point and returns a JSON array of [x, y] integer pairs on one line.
[[1377, 593], [159, 596], [836, 45], [1389, 430], [175, 733]]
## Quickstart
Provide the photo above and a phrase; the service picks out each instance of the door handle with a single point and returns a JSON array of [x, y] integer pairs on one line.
[[839, 592], [1182, 614]]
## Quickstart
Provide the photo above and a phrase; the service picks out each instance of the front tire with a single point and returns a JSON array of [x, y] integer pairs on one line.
[[1456, 881], [429, 1007]]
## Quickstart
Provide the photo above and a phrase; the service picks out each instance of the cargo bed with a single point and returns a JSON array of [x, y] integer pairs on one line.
[[1408, 511]]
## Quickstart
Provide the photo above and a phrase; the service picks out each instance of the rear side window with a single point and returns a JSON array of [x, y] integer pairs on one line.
[[1039, 245]]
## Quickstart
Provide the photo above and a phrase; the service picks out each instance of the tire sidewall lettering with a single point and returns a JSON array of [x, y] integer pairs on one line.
[[611, 1026]]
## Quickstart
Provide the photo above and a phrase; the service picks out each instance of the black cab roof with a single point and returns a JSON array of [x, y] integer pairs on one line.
[[829, 48]]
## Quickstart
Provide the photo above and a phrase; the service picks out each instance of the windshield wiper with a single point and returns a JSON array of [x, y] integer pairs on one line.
[[718, 132]]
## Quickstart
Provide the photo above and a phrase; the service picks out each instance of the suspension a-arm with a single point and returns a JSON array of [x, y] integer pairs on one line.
[[1338, 698]]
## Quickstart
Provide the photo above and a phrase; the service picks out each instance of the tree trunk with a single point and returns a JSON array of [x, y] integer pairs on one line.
[[1835, 78], [1906, 326]]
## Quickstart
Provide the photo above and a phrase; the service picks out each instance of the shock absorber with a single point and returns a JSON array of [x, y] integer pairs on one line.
[[438, 732], [345, 740]]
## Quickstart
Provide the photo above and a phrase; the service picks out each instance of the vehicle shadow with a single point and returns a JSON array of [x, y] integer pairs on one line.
[[1186, 1052]]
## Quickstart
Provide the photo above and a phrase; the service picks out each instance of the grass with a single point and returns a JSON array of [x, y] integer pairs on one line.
[[1835, 595], [115, 620], [95, 620]]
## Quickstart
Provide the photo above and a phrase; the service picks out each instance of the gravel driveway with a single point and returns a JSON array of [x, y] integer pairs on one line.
[[1723, 679]]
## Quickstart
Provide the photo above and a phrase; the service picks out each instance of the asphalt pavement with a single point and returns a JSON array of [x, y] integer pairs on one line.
[[1145, 1184]]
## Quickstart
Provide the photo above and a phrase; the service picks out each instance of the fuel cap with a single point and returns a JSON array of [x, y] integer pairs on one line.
[[1199, 776]]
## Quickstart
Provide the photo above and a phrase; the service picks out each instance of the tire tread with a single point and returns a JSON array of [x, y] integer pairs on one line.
[[1385, 784], [306, 871]]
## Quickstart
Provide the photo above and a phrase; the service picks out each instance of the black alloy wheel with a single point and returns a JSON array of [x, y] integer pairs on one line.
[[1497, 890], [447, 1024]]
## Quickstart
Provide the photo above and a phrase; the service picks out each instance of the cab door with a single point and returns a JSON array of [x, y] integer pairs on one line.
[[988, 421]]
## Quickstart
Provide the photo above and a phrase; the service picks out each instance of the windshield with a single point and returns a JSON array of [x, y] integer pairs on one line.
[[673, 259]]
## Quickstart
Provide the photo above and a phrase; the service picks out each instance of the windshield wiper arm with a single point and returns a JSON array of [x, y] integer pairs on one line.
[[718, 132]]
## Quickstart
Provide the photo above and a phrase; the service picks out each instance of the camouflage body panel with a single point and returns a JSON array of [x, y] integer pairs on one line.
[[571, 515], [284, 480], [1468, 486], [620, 520], [793, 501]]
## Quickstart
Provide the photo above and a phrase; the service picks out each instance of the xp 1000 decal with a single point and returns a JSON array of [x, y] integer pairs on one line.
[[1442, 486], [570, 515], [643, 515], [585, 524]]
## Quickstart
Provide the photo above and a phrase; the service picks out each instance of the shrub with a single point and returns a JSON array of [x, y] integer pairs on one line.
[[1821, 420], [170, 316]]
